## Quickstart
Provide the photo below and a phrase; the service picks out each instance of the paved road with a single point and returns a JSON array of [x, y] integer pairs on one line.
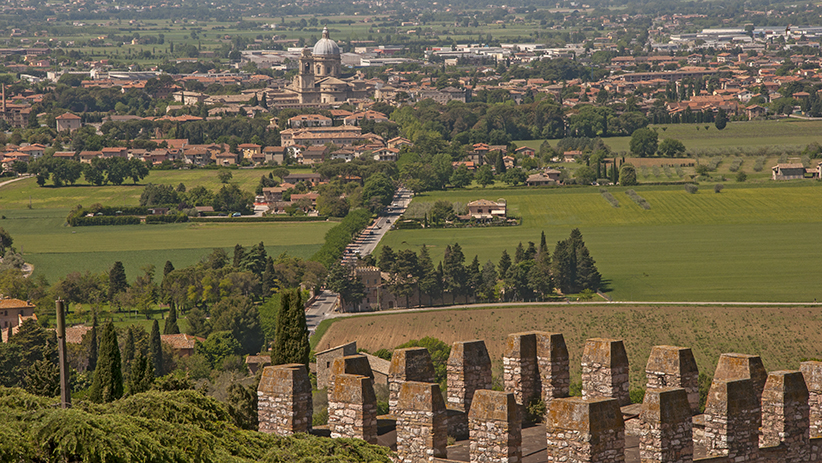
[[363, 245], [740, 305], [322, 307], [22, 177], [368, 240]]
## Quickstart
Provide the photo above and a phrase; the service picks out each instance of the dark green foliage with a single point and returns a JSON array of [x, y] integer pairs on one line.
[[573, 267], [170, 326], [128, 353], [338, 237], [240, 317], [341, 280], [43, 378], [219, 346], [637, 395], [158, 427], [117, 281], [171, 218], [242, 406], [5, 240], [142, 375], [455, 276], [535, 410], [291, 343], [108, 377], [155, 349], [721, 119], [504, 264], [93, 345], [627, 175]]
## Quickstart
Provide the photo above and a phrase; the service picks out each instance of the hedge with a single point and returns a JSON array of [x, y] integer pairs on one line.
[[175, 218], [265, 218], [338, 237], [104, 220]]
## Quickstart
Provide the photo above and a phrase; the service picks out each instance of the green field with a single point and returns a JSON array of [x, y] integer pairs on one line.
[[55, 249], [776, 136], [749, 243]]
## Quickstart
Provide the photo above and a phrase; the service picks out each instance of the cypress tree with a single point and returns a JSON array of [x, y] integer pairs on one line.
[[588, 277], [168, 268], [117, 281], [107, 384], [92, 348], [500, 165], [543, 246], [170, 326], [519, 253], [128, 352], [239, 253], [504, 264], [142, 375], [269, 282], [291, 343], [8, 334], [156, 349]]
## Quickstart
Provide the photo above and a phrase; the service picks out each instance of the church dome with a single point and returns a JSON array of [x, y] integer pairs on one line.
[[326, 46]]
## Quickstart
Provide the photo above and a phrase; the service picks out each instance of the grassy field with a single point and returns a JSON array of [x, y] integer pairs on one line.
[[777, 136], [19, 195], [56, 250], [749, 243], [782, 336]]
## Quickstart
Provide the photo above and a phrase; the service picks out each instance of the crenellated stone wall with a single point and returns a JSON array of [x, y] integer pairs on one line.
[[520, 375], [671, 366], [785, 414], [605, 370], [422, 429], [666, 434], [352, 408], [284, 404], [812, 372], [585, 431], [750, 416], [731, 419], [553, 365], [411, 364], [495, 428]]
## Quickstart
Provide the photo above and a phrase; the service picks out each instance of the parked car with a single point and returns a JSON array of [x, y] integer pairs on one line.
[[236, 214]]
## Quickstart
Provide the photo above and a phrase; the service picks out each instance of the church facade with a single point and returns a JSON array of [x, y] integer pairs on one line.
[[318, 80]]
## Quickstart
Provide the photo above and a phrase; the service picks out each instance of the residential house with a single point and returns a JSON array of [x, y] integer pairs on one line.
[[310, 120], [273, 194], [196, 155], [13, 312], [224, 158], [114, 152], [312, 179], [182, 344], [248, 150], [357, 118], [790, 171], [68, 121], [275, 154], [70, 155], [571, 156], [35, 151], [315, 154], [255, 363], [399, 142], [386, 154], [485, 209], [87, 156], [526, 151], [546, 177], [340, 136]]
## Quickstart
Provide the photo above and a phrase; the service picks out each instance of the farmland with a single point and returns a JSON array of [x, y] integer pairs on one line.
[[749, 243], [782, 336], [55, 249], [778, 136]]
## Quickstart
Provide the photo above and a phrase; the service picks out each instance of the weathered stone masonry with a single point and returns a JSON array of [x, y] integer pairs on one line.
[[495, 428], [666, 434], [412, 364], [605, 370], [469, 370], [670, 366], [585, 431], [352, 408], [422, 430], [284, 404]]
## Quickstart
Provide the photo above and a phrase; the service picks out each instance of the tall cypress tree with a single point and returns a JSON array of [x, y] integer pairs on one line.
[[291, 343], [107, 384], [239, 253], [504, 264], [128, 353], [156, 349], [588, 277], [170, 326], [169, 267], [92, 348], [269, 280], [543, 246], [117, 281]]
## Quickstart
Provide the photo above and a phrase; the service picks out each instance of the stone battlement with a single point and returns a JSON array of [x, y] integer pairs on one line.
[[750, 416]]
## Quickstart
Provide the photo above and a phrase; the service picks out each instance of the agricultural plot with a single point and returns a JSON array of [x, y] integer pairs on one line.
[[777, 136], [782, 336], [56, 250], [748, 243]]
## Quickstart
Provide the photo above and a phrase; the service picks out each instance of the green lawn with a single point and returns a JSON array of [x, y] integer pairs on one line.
[[19, 195], [777, 136], [749, 243], [56, 250]]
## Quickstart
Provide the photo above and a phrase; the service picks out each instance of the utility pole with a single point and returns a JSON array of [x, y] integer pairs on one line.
[[65, 391]]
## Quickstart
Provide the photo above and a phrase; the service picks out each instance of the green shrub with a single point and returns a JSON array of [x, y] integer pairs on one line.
[[691, 188], [637, 395], [535, 410]]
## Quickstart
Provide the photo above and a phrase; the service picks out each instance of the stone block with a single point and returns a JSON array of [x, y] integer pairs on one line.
[[422, 430], [585, 431], [469, 369], [785, 414], [284, 403], [731, 420], [553, 366], [605, 370], [812, 372], [671, 366], [495, 428], [349, 365], [742, 366], [352, 408], [666, 434], [411, 364], [519, 367]]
